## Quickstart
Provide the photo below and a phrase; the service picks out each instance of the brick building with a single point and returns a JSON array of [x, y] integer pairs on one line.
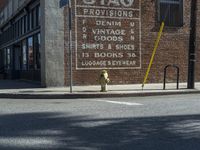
[[118, 36]]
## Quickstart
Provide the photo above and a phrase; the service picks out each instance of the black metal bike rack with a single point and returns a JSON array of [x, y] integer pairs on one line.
[[177, 75]]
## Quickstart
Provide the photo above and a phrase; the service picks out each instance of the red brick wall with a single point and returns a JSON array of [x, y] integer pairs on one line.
[[173, 49], [197, 66]]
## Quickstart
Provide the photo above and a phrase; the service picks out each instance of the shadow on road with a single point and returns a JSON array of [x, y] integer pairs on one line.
[[55, 131], [17, 84]]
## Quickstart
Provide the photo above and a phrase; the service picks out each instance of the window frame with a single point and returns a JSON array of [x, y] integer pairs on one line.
[[181, 12]]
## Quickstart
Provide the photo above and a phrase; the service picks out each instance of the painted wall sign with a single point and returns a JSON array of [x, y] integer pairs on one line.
[[108, 34]]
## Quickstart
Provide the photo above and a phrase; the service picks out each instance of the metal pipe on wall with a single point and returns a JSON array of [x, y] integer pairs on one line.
[[192, 46]]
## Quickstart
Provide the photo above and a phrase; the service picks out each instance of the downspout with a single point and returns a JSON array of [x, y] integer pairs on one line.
[[192, 46]]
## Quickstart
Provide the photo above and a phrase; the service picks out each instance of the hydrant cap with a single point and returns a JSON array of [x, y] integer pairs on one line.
[[103, 71]]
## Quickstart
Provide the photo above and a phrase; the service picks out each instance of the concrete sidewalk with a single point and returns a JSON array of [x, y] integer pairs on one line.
[[21, 89]]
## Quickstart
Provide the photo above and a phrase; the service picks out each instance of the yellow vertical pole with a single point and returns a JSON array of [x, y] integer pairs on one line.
[[153, 54]]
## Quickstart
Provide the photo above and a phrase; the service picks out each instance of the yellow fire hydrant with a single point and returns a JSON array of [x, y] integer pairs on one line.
[[104, 80]]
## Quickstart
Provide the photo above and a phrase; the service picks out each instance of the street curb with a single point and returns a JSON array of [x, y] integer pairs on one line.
[[91, 95]]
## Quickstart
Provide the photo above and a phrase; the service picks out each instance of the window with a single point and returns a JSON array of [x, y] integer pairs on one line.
[[10, 34], [17, 28], [37, 50], [171, 11], [13, 31], [25, 23], [5, 58], [34, 18], [17, 56], [30, 53], [30, 21], [22, 26], [8, 58], [38, 15], [24, 55]]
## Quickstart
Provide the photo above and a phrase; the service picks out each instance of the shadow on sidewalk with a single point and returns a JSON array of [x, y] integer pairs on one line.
[[56, 131], [17, 84]]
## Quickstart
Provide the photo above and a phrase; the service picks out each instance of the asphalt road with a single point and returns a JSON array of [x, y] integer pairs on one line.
[[140, 123]]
